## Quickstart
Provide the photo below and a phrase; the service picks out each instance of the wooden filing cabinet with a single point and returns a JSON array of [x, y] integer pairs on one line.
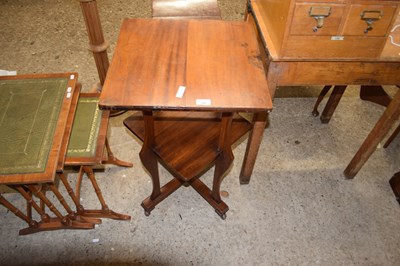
[[328, 29]]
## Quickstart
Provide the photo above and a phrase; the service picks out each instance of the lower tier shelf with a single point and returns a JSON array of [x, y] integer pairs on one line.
[[186, 143]]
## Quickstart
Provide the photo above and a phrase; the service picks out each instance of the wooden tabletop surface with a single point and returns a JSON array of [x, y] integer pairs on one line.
[[216, 64]]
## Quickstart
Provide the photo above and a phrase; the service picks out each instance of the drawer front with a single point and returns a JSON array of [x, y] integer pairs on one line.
[[316, 19], [369, 20], [323, 47]]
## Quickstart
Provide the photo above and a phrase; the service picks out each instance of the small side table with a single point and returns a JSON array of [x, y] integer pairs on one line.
[[186, 67]]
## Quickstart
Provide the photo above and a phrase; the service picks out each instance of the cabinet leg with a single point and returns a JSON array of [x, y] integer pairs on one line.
[[332, 103], [321, 96], [381, 128]]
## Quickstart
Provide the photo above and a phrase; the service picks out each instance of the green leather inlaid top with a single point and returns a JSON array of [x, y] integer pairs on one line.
[[28, 118], [85, 128]]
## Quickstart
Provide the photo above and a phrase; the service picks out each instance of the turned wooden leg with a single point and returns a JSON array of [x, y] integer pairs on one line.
[[89, 172], [47, 223], [38, 193], [253, 145], [97, 44], [105, 212], [17, 212], [61, 199], [79, 207], [80, 210], [28, 197]]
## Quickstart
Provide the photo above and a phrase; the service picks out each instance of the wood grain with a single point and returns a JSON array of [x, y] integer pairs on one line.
[[215, 60]]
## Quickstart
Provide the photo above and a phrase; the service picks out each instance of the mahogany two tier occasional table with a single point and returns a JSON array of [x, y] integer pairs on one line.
[[189, 78]]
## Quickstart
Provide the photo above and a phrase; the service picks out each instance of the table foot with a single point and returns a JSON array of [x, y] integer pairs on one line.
[[220, 207], [222, 215], [87, 219], [150, 203], [111, 159], [55, 224], [244, 181], [105, 214]]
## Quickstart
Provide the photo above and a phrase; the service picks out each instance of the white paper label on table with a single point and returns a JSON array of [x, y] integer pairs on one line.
[[180, 92], [337, 38], [203, 101]]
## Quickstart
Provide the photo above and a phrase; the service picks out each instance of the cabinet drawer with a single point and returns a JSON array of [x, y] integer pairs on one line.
[[323, 47], [380, 17], [306, 16]]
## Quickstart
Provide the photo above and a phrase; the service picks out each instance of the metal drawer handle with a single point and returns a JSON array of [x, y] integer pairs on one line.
[[319, 13], [369, 16]]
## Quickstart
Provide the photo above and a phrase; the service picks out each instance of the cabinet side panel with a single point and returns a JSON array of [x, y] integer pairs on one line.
[[275, 15], [392, 47]]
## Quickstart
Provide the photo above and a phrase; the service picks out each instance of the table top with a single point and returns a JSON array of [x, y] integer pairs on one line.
[[186, 65], [33, 119]]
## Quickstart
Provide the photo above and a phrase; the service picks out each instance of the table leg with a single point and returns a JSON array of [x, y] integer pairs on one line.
[[28, 197], [111, 159], [321, 96], [253, 145], [105, 211], [32, 223], [76, 219], [382, 127], [222, 164], [149, 160], [332, 103], [38, 193], [80, 210]]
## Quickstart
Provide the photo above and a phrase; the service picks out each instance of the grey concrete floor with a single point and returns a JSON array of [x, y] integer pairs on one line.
[[297, 210]]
